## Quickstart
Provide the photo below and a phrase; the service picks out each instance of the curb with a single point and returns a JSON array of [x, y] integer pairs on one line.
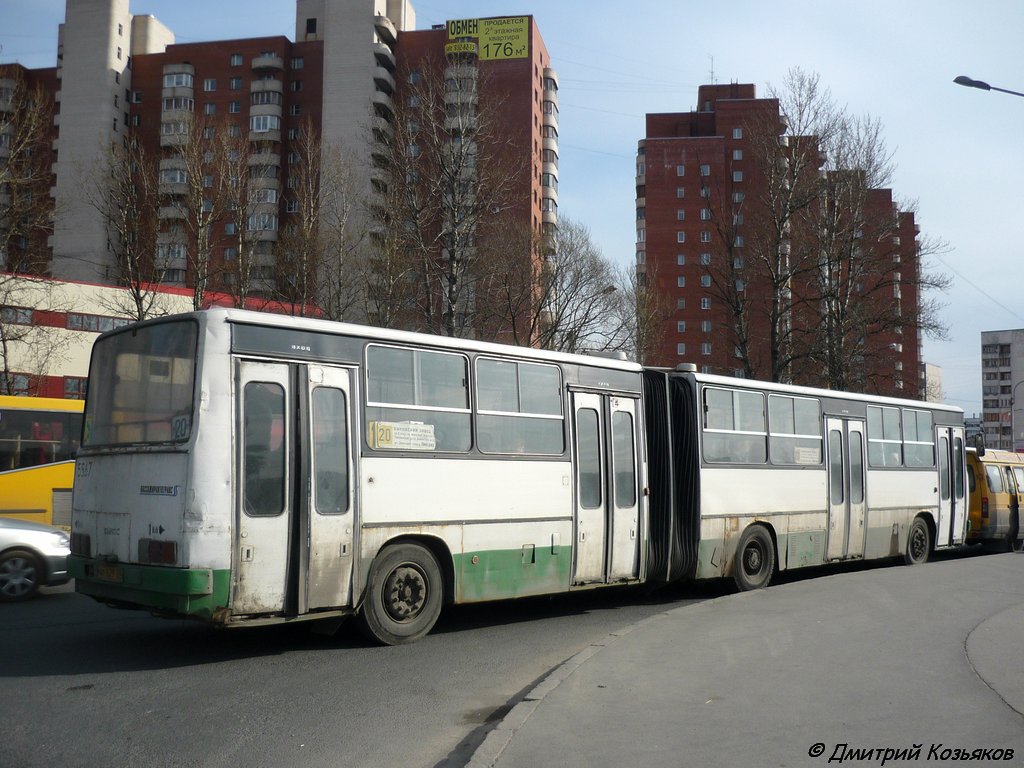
[[492, 747]]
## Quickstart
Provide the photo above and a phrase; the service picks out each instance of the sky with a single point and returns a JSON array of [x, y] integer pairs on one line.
[[958, 151]]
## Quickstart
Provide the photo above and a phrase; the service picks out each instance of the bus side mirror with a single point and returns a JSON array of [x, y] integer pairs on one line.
[[979, 443]]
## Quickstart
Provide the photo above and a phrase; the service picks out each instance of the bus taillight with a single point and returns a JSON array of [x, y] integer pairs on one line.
[[159, 552]]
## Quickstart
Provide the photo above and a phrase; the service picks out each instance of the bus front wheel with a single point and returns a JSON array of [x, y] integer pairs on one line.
[[755, 559], [403, 595], [919, 543]]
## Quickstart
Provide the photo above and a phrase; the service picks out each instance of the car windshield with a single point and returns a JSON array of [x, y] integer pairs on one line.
[[141, 382]]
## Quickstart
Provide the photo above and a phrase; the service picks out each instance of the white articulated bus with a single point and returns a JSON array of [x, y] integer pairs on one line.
[[766, 477], [245, 468]]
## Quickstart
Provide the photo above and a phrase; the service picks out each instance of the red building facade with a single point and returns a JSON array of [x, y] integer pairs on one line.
[[710, 244]]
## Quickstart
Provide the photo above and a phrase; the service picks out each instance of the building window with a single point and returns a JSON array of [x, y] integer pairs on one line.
[[264, 123], [740, 286], [311, 26], [737, 154], [178, 104], [680, 303], [173, 176], [680, 170], [640, 169], [230, 228], [680, 282], [705, 259], [680, 326], [292, 206], [680, 214], [680, 237], [16, 315], [680, 349], [209, 109], [298, 62], [209, 84], [296, 86], [705, 236], [136, 97], [705, 348], [705, 170], [234, 130], [295, 110], [681, 259], [118, 54], [178, 80], [705, 303], [705, 214], [236, 59], [738, 197], [739, 241], [737, 133], [705, 281], [235, 84], [705, 326], [737, 175], [680, 192], [641, 235], [230, 254], [235, 107]]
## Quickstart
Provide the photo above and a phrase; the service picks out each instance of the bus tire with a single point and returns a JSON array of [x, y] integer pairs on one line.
[[404, 593], [20, 574], [919, 543], [755, 559]]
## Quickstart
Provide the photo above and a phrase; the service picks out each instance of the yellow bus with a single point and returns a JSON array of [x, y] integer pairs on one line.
[[39, 437]]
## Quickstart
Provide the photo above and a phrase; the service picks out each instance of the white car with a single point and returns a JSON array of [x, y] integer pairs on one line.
[[31, 555]]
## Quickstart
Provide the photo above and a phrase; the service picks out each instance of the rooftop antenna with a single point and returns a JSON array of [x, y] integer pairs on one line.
[[711, 74]]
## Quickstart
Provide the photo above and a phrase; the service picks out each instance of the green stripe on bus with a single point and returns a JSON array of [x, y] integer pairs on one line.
[[197, 592], [503, 573]]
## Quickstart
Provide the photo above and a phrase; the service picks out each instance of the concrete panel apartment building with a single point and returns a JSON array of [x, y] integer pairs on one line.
[[347, 72]]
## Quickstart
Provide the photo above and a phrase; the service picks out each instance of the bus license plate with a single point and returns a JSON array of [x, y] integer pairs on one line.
[[109, 572]]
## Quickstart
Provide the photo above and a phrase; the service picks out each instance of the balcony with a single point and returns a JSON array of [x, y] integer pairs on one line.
[[383, 105], [265, 109], [384, 80], [267, 61], [384, 55], [258, 136], [167, 212], [385, 29], [264, 86]]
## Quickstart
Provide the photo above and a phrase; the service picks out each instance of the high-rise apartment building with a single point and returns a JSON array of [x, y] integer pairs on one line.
[[121, 77], [712, 246], [1002, 373]]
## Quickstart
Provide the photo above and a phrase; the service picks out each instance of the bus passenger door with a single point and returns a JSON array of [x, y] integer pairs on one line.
[[264, 487], [952, 522], [331, 496], [846, 497], [607, 507]]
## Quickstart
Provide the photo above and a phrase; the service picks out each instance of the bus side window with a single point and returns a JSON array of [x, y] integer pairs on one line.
[[263, 410], [995, 480]]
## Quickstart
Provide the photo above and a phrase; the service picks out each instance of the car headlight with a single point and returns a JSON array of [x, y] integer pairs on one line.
[[63, 540]]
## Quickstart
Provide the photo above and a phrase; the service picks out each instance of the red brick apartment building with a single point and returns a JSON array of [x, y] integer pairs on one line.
[[705, 230], [119, 75]]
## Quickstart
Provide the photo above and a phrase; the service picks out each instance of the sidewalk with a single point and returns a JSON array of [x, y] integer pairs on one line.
[[890, 657]]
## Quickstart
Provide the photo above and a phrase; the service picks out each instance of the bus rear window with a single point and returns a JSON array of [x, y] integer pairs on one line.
[[141, 382]]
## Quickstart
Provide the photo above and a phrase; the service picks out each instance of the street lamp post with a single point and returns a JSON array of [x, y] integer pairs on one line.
[[968, 82]]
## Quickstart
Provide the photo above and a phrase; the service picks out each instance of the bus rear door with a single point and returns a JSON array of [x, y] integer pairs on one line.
[[607, 509], [294, 519]]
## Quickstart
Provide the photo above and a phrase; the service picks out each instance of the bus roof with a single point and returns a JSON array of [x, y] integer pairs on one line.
[[793, 389], [242, 316]]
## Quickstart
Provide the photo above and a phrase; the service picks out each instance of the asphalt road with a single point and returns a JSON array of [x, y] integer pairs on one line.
[[90, 686]]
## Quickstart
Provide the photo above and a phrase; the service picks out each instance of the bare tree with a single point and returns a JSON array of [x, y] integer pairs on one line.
[[28, 349], [195, 195], [450, 165], [126, 194], [558, 293], [641, 312], [788, 155], [26, 209], [318, 255]]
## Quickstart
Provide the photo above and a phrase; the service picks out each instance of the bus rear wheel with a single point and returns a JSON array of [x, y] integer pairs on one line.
[[755, 559], [919, 543], [403, 595]]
